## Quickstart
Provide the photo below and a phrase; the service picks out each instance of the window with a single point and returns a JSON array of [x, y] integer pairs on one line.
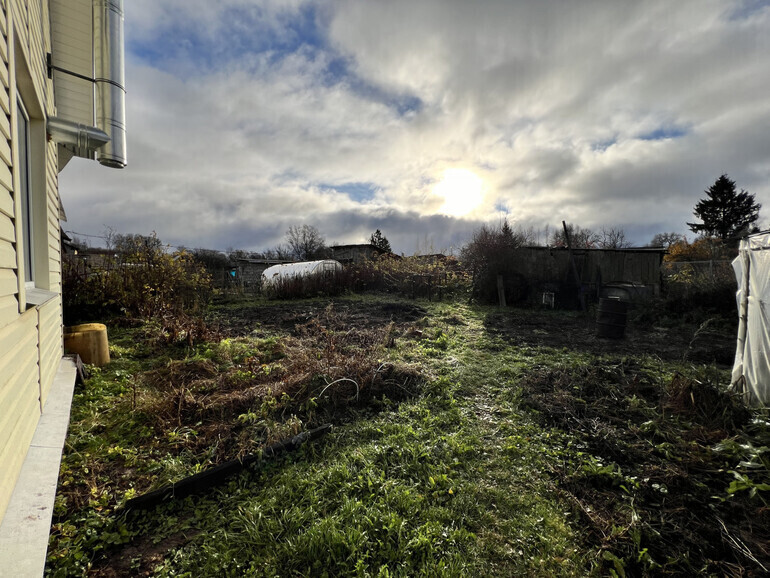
[[22, 120]]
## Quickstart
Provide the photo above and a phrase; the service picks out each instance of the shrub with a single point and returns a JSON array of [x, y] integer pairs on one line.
[[432, 277], [139, 278], [490, 253]]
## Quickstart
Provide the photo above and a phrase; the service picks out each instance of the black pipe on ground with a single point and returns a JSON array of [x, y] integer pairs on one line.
[[202, 481]]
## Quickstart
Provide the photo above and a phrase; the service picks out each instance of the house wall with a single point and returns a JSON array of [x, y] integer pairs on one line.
[[30, 318]]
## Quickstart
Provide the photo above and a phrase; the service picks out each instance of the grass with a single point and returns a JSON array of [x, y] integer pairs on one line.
[[491, 445]]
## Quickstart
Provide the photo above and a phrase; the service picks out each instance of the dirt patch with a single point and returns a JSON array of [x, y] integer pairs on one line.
[[714, 343], [647, 480], [141, 557], [244, 320]]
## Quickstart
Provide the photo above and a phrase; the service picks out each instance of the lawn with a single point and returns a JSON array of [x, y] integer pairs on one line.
[[465, 440]]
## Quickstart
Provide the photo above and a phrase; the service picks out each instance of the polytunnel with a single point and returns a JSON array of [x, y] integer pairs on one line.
[[751, 370], [276, 273]]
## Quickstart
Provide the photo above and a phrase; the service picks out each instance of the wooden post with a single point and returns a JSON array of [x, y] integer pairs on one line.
[[578, 280], [501, 290]]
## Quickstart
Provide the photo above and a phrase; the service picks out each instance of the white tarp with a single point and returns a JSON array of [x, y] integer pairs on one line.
[[751, 371], [301, 269]]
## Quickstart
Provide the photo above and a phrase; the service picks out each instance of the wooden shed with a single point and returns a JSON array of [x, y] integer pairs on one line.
[[355, 253], [545, 269]]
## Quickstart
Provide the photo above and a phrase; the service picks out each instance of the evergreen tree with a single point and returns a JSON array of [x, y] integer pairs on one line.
[[725, 213], [380, 241]]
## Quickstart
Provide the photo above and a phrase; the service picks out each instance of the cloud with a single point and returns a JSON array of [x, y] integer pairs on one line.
[[246, 118]]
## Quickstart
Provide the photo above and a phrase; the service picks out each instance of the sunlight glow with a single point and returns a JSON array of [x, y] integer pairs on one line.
[[461, 190]]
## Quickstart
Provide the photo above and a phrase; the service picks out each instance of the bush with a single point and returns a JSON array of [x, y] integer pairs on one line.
[[420, 276], [710, 289], [138, 278], [492, 252]]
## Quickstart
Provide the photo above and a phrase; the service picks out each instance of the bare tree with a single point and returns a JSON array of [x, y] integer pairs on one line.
[[613, 238], [665, 239], [305, 242], [580, 238], [280, 252]]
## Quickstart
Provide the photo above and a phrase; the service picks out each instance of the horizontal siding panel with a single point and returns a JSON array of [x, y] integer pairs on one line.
[[54, 266], [22, 382], [8, 282], [20, 22], [4, 102], [49, 363], [49, 314], [9, 310], [7, 256], [12, 335], [73, 52], [5, 152], [74, 99], [5, 125], [5, 173], [52, 344], [53, 223], [17, 430], [7, 230], [14, 453], [21, 393], [4, 75], [6, 202]]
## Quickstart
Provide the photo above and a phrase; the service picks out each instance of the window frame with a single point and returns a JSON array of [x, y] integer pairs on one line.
[[25, 191]]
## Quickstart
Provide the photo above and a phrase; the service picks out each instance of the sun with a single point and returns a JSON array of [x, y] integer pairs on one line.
[[461, 190]]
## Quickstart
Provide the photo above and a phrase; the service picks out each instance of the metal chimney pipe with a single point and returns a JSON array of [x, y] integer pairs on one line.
[[109, 80], [83, 139]]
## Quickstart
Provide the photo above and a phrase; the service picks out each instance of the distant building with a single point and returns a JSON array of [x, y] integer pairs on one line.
[[248, 272], [614, 272], [355, 253]]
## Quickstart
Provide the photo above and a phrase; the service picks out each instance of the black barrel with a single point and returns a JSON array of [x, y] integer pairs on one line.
[[611, 318]]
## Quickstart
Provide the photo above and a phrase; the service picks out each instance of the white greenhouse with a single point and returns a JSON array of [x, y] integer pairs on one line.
[[273, 275], [751, 371]]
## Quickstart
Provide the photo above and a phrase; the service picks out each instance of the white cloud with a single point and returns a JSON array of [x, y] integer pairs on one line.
[[243, 117]]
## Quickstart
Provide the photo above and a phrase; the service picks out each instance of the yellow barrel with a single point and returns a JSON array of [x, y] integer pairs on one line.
[[89, 341]]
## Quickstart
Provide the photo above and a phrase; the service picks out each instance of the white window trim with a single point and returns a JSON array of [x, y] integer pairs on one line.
[[26, 197]]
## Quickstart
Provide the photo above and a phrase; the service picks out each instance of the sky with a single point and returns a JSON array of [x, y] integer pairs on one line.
[[428, 118]]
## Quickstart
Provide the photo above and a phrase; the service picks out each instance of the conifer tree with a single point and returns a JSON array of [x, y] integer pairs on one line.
[[380, 241], [725, 213]]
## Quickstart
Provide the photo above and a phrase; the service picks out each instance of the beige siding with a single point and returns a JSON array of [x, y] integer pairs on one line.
[[72, 50], [27, 27], [54, 230], [9, 307], [30, 342], [50, 344], [19, 398]]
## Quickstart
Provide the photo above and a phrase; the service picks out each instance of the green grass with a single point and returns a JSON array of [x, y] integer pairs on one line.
[[463, 478]]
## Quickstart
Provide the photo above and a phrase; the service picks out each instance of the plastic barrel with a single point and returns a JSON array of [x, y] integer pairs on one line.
[[89, 341], [611, 318]]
